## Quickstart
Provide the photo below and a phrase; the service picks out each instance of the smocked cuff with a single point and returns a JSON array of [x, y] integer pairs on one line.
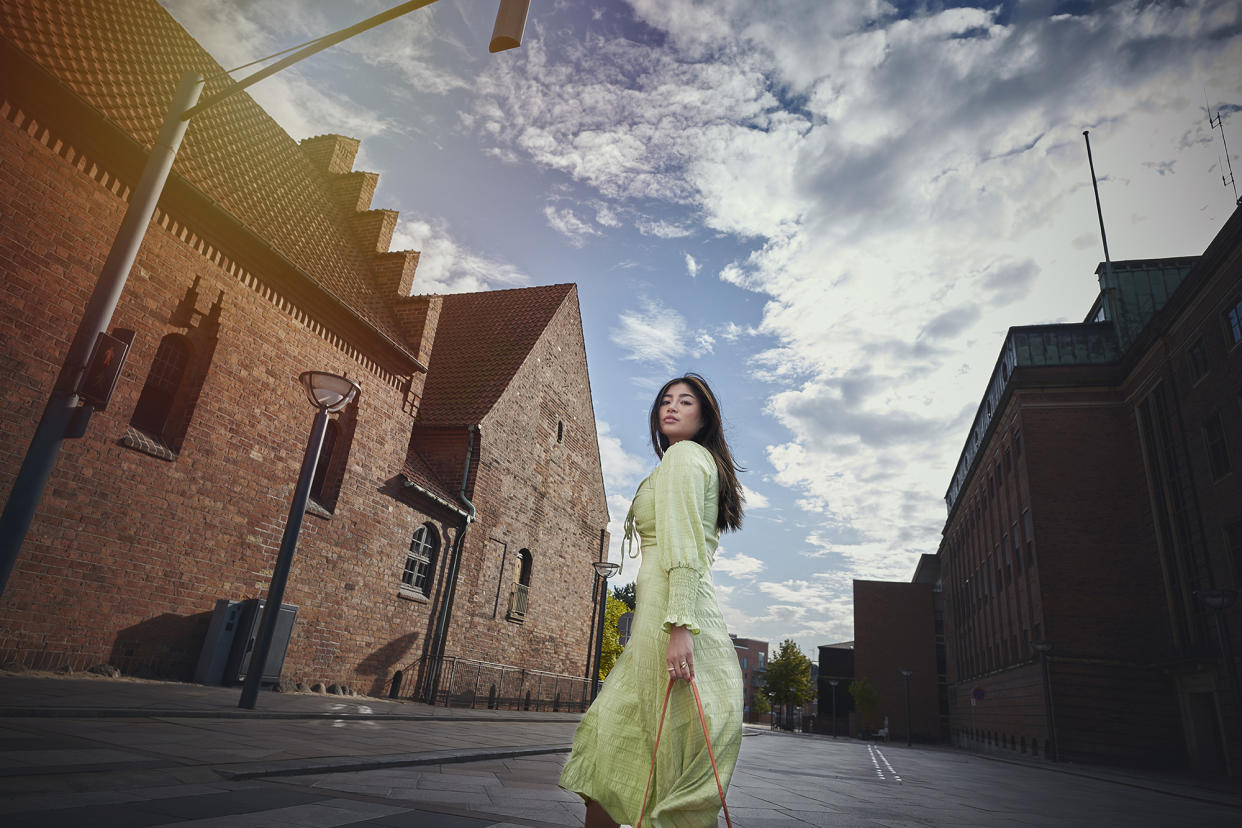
[[683, 591]]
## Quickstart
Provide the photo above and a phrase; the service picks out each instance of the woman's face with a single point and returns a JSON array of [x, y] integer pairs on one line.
[[680, 414]]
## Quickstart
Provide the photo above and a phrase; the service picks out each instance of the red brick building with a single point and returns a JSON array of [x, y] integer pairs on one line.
[[752, 656], [1097, 495], [460, 501]]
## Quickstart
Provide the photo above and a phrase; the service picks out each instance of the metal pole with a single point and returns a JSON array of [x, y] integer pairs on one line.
[[1053, 753], [62, 405], [599, 634], [907, 677], [834, 708], [284, 561], [1099, 211]]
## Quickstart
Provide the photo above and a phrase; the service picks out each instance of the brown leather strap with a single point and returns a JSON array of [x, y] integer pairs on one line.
[[710, 753]]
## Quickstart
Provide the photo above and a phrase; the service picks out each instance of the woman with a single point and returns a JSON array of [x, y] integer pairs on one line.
[[678, 633]]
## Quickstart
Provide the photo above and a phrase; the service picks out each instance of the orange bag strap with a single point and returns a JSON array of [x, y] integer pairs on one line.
[[698, 702]]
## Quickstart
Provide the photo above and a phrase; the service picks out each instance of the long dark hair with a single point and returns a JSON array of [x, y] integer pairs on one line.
[[711, 437]]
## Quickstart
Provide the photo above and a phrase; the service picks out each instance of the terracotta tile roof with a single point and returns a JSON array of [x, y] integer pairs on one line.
[[125, 58], [417, 471], [481, 341]]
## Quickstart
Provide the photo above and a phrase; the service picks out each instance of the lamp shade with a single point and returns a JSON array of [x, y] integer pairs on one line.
[[328, 391], [606, 569]]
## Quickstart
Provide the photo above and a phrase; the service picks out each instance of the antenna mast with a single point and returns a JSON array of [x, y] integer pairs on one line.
[[1215, 124]]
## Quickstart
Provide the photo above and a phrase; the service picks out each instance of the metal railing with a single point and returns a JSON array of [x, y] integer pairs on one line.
[[466, 682]]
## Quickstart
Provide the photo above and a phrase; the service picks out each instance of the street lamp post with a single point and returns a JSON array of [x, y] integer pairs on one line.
[[1043, 648], [65, 415], [603, 570], [329, 394], [906, 674], [1219, 601], [834, 683]]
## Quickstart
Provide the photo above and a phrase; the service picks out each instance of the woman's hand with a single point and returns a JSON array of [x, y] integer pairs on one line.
[[680, 657]]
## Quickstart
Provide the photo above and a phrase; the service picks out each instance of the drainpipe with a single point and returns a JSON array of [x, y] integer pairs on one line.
[[436, 650]]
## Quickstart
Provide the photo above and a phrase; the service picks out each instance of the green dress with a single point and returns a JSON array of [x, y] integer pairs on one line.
[[674, 513]]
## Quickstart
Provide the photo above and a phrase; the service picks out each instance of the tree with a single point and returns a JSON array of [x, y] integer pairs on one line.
[[625, 594], [866, 701], [759, 704], [788, 677], [612, 644]]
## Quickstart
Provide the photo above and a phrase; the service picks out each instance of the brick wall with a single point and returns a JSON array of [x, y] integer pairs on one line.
[[894, 630], [533, 492]]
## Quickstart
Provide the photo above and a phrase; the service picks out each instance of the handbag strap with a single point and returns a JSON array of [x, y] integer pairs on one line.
[[698, 702]]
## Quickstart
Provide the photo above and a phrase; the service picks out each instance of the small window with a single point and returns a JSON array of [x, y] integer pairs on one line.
[[560, 431], [1233, 323], [1008, 459], [1017, 443], [1217, 451], [1198, 360], [420, 560], [524, 567], [155, 404], [1029, 535]]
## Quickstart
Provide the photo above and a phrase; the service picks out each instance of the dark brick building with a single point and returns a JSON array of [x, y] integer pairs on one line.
[[836, 663], [1098, 493], [460, 501], [894, 631]]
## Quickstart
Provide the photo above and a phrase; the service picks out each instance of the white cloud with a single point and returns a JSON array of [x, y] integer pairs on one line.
[[737, 566], [622, 470], [446, 266], [662, 229], [692, 267], [569, 225], [754, 500], [654, 333]]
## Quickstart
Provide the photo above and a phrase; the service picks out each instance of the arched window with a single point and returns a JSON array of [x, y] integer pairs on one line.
[[560, 431], [156, 401], [524, 567], [330, 438], [420, 560]]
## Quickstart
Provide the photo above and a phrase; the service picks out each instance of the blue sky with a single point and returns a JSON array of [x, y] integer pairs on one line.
[[833, 211]]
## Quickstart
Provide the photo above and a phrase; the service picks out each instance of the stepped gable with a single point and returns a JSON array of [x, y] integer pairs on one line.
[[481, 341], [125, 58]]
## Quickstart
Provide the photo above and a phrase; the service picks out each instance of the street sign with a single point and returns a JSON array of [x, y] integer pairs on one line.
[[977, 694], [102, 370]]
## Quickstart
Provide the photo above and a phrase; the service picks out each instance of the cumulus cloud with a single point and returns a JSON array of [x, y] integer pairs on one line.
[[447, 266], [737, 565], [692, 267], [754, 500]]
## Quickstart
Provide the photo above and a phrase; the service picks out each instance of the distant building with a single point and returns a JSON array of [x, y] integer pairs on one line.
[[894, 633], [752, 656], [836, 664], [459, 503], [1096, 504]]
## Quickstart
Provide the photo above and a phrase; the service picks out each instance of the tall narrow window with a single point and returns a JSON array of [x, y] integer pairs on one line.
[[420, 560], [1198, 360], [155, 404], [519, 598], [525, 564], [1233, 541], [1218, 452], [1233, 323]]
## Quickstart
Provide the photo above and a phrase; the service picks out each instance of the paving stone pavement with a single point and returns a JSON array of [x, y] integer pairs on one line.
[[107, 753]]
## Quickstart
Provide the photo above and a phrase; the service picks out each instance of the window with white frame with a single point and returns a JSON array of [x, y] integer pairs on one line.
[[420, 560]]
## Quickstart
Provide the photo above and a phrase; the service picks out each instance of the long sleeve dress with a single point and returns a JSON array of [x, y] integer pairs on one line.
[[674, 514]]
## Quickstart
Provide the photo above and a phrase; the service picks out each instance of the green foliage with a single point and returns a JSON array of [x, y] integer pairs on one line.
[[788, 677], [612, 644], [625, 594], [759, 704], [866, 701]]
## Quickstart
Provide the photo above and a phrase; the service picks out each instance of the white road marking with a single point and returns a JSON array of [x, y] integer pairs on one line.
[[888, 765], [878, 771]]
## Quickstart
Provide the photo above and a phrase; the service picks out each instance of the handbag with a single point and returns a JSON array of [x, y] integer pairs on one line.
[[710, 753]]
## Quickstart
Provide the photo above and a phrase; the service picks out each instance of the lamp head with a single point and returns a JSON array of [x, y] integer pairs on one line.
[[328, 391], [606, 569], [510, 23]]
